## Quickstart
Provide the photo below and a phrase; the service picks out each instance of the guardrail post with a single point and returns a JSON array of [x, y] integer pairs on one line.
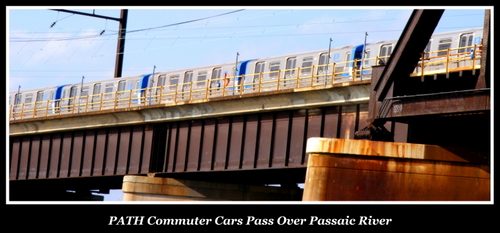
[[333, 73], [279, 80]]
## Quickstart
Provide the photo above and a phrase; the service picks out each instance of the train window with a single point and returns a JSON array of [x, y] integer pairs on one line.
[[108, 88], [444, 43], [465, 40], [323, 61], [202, 76], [307, 63], [29, 98], [290, 66], [85, 91], [174, 80], [274, 67]]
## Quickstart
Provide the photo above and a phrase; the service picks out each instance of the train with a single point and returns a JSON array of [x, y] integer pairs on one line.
[[256, 75]]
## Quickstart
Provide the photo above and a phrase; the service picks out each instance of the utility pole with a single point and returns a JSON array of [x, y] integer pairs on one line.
[[120, 48]]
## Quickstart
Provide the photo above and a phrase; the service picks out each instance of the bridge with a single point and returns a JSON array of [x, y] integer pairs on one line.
[[229, 143]]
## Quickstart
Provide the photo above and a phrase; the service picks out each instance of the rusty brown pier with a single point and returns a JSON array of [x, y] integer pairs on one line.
[[231, 148]]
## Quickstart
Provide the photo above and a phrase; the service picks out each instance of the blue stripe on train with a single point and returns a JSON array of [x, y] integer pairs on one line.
[[356, 53], [242, 70], [143, 84], [58, 96]]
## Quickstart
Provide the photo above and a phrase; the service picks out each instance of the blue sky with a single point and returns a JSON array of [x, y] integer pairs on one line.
[[40, 55]]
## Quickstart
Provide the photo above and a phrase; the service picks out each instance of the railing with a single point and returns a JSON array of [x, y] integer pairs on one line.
[[202, 91], [449, 60]]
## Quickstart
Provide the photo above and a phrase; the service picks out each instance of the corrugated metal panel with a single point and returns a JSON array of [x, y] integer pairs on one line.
[[182, 147], [15, 149], [24, 158], [207, 144], [44, 156], [221, 143], [171, 146], [66, 153], [88, 153], [250, 145], [265, 141], [54, 156], [123, 149], [76, 154], [195, 145], [100, 152], [297, 139], [236, 141], [281, 143]]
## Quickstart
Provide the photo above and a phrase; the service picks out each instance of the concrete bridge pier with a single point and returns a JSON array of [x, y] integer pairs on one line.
[[148, 188], [363, 170]]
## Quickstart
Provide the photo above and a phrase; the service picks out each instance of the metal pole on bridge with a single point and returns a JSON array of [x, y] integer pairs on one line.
[[363, 57], [235, 72], [328, 62]]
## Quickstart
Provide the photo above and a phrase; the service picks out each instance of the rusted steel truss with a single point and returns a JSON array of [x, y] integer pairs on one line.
[[231, 143]]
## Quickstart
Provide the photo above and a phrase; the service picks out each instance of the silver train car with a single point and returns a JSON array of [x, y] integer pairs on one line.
[[256, 75]]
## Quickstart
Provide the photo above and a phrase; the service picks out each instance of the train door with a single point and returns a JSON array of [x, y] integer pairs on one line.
[[121, 92], [290, 66], [17, 102], [72, 95], [96, 94], [215, 78], [258, 72], [39, 99], [188, 77], [465, 40], [291, 63], [347, 63], [162, 80], [121, 88], [322, 67], [385, 52], [323, 63]]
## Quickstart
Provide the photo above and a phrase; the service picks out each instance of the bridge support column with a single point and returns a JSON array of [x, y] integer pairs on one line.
[[145, 188], [363, 170]]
